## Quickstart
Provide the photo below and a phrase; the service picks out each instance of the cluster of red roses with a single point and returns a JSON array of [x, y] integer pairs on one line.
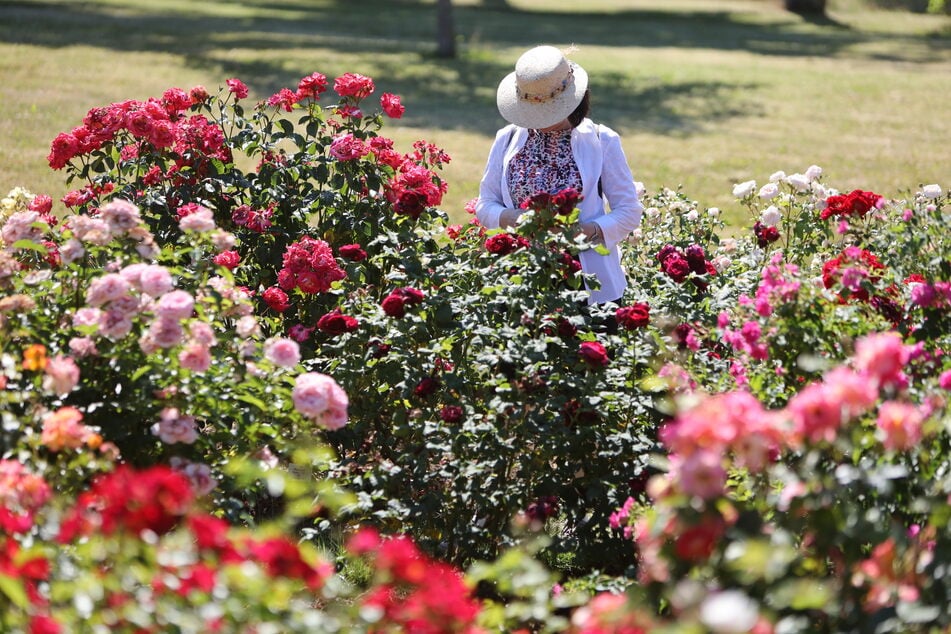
[[851, 270], [309, 264], [637, 315], [413, 189], [678, 265], [413, 592], [159, 123], [765, 234], [394, 304], [855, 203], [505, 243]]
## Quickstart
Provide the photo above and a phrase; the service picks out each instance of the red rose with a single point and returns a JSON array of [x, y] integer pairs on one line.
[[412, 295], [426, 387], [696, 258], [352, 252], [391, 105], [697, 543], [451, 413], [565, 201], [336, 323], [677, 268], [394, 305], [594, 354], [311, 86], [276, 299], [634, 316], [501, 244]]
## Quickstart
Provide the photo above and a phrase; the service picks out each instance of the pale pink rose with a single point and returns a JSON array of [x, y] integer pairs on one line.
[[318, 396], [83, 347], [173, 427], [62, 375], [71, 250], [198, 475], [195, 357], [175, 305], [115, 324], [223, 240], [900, 425], [945, 380], [128, 305], [155, 280], [107, 288], [247, 327], [133, 274], [64, 429], [90, 230], [86, 317], [700, 474], [201, 332], [120, 215], [20, 226], [166, 333], [201, 220], [282, 352]]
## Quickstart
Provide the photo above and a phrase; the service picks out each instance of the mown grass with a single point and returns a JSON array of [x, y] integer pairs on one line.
[[705, 93]]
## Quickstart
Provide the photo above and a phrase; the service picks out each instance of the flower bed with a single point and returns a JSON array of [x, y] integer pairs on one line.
[[236, 380]]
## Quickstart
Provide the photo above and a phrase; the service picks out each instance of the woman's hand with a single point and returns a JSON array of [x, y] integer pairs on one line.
[[592, 231], [509, 218]]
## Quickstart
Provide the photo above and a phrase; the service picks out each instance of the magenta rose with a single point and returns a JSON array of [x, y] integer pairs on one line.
[[237, 88], [451, 413], [593, 354], [353, 85]]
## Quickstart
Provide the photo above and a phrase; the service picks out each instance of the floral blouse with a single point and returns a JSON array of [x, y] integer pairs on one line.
[[544, 164]]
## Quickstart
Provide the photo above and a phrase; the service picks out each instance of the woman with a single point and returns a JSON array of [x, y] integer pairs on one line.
[[551, 145]]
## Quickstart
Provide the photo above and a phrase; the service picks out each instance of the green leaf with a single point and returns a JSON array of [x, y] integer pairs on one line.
[[251, 400], [14, 591]]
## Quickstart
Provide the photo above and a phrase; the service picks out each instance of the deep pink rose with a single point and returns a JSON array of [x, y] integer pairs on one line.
[[392, 106], [594, 354], [311, 86], [677, 268], [228, 259], [276, 299], [237, 88], [354, 85]]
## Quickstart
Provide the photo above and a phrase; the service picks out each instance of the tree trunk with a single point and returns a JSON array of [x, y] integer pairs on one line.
[[810, 7], [445, 29]]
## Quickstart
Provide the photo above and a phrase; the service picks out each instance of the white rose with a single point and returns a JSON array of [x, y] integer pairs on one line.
[[729, 612], [777, 177], [639, 188], [742, 190], [713, 212], [692, 215], [799, 182], [768, 191], [771, 216], [813, 172], [931, 191]]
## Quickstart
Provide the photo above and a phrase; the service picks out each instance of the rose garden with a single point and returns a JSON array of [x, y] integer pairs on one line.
[[253, 380]]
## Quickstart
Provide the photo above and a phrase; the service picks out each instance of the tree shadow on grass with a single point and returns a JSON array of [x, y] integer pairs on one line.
[[271, 45]]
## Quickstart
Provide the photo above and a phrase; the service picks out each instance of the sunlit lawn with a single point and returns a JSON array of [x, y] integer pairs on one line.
[[705, 93]]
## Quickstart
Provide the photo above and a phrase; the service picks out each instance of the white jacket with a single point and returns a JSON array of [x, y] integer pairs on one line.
[[598, 154]]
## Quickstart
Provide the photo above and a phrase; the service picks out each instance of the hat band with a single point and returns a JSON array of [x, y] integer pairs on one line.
[[535, 98]]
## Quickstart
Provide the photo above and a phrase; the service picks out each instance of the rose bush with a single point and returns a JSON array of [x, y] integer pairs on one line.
[[194, 312]]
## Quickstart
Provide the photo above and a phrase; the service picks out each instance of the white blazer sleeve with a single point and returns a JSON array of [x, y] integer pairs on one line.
[[618, 186], [491, 202]]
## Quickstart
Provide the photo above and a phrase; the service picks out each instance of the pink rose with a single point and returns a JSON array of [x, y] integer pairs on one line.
[[173, 427], [347, 148], [195, 357], [155, 280], [237, 87], [107, 288], [317, 396], [900, 425], [175, 305], [62, 375], [282, 352]]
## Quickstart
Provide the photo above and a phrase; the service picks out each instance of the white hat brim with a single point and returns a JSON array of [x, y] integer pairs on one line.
[[530, 114]]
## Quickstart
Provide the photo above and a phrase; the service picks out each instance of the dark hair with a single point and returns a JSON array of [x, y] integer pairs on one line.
[[576, 117]]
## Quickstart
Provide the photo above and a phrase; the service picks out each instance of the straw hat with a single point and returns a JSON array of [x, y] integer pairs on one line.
[[544, 89]]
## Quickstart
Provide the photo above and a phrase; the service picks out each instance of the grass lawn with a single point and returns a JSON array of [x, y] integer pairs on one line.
[[705, 93]]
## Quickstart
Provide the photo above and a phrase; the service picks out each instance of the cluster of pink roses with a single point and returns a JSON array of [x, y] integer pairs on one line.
[[318, 397]]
